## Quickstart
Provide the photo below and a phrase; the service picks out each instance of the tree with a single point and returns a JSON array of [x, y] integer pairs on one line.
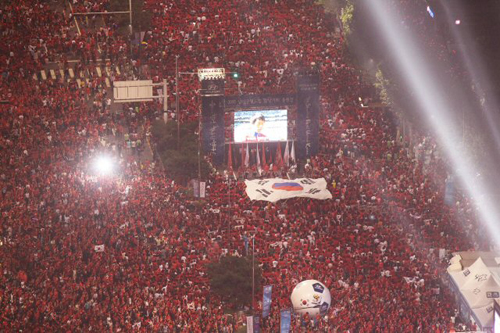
[[332, 6], [347, 17], [180, 164], [231, 279]]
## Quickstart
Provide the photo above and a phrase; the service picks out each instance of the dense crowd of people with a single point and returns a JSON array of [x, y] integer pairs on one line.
[[128, 252]]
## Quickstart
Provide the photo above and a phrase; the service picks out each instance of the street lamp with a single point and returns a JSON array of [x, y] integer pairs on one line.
[[177, 102], [253, 271]]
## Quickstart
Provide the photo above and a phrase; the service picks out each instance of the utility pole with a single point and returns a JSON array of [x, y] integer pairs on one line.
[[165, 101], [199, 142], [130, 15], [177, 102], [253, 273], [230, 204]]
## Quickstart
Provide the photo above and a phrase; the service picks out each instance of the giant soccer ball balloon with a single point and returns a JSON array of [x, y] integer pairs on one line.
[[312, 297]]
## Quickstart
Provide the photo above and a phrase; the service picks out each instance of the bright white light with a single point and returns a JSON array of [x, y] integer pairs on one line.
[[430, 97], [457, 22], [104, 165], [429, 10]]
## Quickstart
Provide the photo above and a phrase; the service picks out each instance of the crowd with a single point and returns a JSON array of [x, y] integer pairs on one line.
[[128, 252]]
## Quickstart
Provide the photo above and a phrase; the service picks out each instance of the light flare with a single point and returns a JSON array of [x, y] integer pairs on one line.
[[104, 165], [431, 99]]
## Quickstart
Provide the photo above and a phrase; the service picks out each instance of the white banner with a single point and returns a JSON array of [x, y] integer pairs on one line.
[[203, 186], [275, 189], [249, 324], [211, 73]]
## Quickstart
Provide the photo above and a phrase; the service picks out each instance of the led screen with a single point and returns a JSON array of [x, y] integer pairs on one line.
[[262, 125]]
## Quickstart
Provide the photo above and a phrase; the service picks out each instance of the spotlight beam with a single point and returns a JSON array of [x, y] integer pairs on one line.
[[477, 74], [419, 78]]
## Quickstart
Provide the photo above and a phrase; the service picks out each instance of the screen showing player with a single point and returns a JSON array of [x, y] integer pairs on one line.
[[262, 125]]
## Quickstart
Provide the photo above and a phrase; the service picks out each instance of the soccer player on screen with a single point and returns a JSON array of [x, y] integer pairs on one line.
[[257, 122]]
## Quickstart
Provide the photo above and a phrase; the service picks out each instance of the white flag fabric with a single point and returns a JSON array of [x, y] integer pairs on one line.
[[203, 188], [275, 189], [249, 324], [286, 156], [292, 153], [99, 248]]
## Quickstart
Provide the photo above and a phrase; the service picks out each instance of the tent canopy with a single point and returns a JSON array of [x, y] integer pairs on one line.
[[476, 276]]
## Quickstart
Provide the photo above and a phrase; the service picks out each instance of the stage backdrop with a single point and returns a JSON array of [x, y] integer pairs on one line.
[[212, 116], [308, 108]]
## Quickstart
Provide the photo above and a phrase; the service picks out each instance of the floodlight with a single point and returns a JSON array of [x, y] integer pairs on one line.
[[103, 165]]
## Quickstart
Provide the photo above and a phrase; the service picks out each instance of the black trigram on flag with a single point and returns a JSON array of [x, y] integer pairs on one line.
[[264, 192]]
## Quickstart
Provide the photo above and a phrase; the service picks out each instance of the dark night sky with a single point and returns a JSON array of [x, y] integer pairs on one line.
[[480, 19]]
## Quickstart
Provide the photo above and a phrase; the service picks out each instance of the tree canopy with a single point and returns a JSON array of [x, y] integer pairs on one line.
[[231, 279], [180, 164]]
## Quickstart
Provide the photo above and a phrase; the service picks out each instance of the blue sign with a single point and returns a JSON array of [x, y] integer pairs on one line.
[[256, 324], [267, 299], [323, 308], [286, 320]]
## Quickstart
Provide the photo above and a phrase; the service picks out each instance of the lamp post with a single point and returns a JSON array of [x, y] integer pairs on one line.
[[177, 102], [130, 15], [199, 141], [253, 273]]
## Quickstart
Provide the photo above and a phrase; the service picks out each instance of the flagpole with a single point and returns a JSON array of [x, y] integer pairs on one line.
[[286, 156], [177, 101], [253, 273], [260, 161], [247, 158], [199, 139], [230, 206]]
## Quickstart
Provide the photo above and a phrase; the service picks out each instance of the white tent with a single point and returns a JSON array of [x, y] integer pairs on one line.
[[485, 315], [479, 296], [466, 276], [475, 276]]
